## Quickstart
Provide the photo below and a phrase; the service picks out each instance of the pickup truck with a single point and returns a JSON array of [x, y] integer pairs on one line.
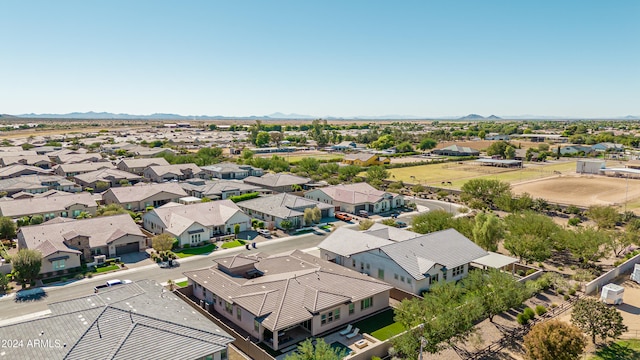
[[111, 283], [343, 217]]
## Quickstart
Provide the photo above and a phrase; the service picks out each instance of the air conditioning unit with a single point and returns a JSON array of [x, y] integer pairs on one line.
[[100, 259]]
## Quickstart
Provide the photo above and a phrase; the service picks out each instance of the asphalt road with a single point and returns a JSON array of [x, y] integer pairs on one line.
[[9, 308]]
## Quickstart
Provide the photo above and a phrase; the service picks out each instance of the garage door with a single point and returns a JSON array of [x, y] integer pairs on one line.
[[360, 207], [127, 248]]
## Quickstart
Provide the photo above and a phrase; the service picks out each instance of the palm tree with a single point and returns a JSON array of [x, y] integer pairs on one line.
[[170, 284]]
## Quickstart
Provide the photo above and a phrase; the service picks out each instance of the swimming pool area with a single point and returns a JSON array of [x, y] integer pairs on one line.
[[340, 346]]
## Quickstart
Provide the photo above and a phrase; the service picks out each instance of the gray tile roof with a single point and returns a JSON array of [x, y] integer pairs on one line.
[[346, 242], [12, 185], [39, 205], [142, 163], [19, 169], [446, 247], [178, 218], [359, 193], [282, 205], [295, 285], [277, 180], [140, 192], [100, 231], [213, 188], [83, 167], [228, 167], [126, 322], [178, 169], [106, 175]]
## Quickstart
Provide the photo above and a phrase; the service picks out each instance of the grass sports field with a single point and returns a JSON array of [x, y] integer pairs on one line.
[[459, 173]]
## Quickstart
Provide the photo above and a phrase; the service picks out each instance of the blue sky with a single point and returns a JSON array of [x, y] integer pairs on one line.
[[340, 58]]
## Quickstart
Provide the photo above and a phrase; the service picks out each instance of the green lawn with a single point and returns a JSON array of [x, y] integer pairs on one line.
[[619, 350], [458, 174], [183, 283], [232, 244], [381, 326], [196, 251], [107, 268]]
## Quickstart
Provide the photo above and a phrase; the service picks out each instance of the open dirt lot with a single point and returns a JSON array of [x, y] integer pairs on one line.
[[484, 144], [582, 190]]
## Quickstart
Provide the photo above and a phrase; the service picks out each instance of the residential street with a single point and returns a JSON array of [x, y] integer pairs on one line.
[[9, 308]]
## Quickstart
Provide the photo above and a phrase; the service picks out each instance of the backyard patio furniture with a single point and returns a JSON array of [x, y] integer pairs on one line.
[[346, 330], [361, 343], [353, 334]]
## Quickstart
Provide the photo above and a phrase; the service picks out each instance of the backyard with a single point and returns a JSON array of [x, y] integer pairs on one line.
[[381, 326], [619, 350]]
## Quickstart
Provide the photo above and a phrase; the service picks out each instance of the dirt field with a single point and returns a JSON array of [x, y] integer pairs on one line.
[[582, 190], [483, 144]]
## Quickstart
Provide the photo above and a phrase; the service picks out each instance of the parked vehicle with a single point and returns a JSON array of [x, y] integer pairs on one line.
[[343, 217], [363, 213], [401, 224], [111, 283], [30, 294], [264, 232]]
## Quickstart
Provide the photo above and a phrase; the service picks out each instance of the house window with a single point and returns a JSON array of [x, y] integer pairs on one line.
[[228, 307], [352, 308], [76, 213], [64, 214], [323, 319], [402, 278], [239, 312], [223, 354], [408, 280], [336, 314], [366, 303], [381, 274], [395, 276], [368, 266], [256, 325], [457, 270], [353, 261], [330, 317], [434, 278], [58, 264]]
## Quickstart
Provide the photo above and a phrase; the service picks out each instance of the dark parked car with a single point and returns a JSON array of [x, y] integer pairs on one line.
[[401, 224]]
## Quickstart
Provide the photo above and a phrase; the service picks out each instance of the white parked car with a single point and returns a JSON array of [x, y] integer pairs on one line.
[[264, 232]]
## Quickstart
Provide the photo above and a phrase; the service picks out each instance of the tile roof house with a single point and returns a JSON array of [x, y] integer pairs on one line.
[[37, 184], [164, 173], [110, 177], [411, 263], [137, 166], [133, 321], [364, 159], [608, 147], [55, 205], [14, 171], [40, 161], [71, 170], [455, 150], [285, 298], [276, 208], [279, 182], [76, 158], [230, 171], [141, 196], [352, 198], [219, 189], [196, 223], [65, 242]]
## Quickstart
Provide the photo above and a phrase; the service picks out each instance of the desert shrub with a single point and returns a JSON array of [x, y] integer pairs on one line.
[[522, 319], [530, 271], [574, 221], [566, 297], [572, 291], [521, 272], [529, 313], [560, 291], [560, 268], [540, 310], [554, 305]]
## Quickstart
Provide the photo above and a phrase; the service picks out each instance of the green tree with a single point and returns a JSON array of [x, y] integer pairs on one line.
[[510, 152], [162, 242], [309, 165], [427, 144], [102, 185], [321, 351], [286, 225], [26, 265], [605, 217], [554, 340], [404, 147], [384, 142], [7, 228], [347, 173], [83, 215], [585, 244], [530, 236], [484, 191], [276, 137], [434, 220], [262, 139], [498, 148], [495, 290], [36, 220], [236, 229], [316, 214], [488, 231], [376, 173], [308, 216], [205, 199], [111, 209], [597, 319]]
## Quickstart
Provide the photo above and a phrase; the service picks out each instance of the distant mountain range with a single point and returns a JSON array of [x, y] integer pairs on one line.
[[282, 116]]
